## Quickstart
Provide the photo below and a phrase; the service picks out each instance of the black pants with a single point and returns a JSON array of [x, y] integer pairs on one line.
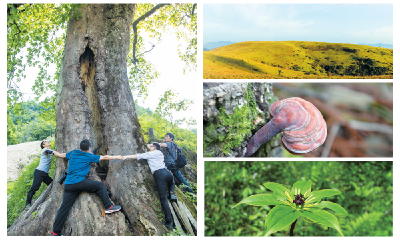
[[38, 177], [71, 193], [164, 179]]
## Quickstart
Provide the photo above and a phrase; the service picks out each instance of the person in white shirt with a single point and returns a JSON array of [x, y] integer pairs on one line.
[[163, 176]]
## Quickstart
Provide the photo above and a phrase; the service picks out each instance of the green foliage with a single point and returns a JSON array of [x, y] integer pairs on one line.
[[159, 212], [185, 138], [36, 37], [362, 225], [239, 128], [30, 121], [16, 197], [366, 194], [169, 103], [181, 19], [34, 214], [300, 201], [192, 196], [31, 36]]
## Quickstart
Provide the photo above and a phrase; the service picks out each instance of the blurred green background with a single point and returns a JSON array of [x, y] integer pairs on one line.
[[366, 186]]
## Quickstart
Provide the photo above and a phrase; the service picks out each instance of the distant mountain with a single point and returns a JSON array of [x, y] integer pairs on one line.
[[378, 45], [212, 45], [206, 49]]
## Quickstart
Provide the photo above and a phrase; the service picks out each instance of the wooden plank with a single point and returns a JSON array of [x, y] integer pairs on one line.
[[176, 221], [184, 217], [190, 216], [177, 211]]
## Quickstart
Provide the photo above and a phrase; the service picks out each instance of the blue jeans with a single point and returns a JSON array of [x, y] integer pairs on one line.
[[180, 178]]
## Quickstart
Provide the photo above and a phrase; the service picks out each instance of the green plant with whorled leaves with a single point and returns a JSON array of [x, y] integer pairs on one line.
[[300, 201]]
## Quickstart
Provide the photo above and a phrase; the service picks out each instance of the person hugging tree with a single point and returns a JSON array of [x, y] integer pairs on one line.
[[76, 182], [41, 173], [163, 177]]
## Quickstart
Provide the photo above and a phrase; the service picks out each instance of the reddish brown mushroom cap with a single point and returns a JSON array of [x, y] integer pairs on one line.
[[304, 128], [301, 138]]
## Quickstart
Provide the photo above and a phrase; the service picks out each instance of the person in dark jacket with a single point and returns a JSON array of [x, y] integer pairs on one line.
[[169, 143]]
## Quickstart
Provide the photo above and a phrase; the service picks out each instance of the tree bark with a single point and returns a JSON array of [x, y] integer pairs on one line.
[[226, 100], [94, 102]]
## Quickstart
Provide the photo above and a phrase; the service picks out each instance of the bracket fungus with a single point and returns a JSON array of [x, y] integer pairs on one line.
[[304, 128]]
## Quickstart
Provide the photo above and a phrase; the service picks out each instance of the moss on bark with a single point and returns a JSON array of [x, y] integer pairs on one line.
[[231, 129]]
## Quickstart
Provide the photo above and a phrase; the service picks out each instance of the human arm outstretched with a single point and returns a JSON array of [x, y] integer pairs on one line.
[[108, 157], [163, 144], [129, 157], [61, 155]]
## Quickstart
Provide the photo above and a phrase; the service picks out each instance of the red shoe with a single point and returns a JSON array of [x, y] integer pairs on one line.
[[113, 208], [55, 234]]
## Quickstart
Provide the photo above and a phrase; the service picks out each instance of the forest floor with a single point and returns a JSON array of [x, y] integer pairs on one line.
[[19, 155]]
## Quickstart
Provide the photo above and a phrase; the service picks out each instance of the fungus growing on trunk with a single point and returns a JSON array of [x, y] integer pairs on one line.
[[303, 127]]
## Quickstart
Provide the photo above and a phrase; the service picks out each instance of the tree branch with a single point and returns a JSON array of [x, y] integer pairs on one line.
[[152, 47], [15, 5], [134, 44], [194, 7], [149, 13], [137, 21]]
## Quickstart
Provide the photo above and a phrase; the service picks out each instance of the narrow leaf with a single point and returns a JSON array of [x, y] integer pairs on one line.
[[323, 217], [279, 218], [332, 206], [260, 200], [278, 189]]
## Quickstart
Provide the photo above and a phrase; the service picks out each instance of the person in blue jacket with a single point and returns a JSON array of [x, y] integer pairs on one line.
[[76, 182]]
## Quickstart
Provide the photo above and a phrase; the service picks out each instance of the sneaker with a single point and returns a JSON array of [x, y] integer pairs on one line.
[[27, 207], [172, 197], [113, 208], [55, 234], [168, 225]]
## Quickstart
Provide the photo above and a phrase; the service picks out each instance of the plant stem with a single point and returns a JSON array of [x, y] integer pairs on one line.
[[292, 228]]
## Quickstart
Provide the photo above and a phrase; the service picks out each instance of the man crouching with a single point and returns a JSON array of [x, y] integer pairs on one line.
[[79, 166]]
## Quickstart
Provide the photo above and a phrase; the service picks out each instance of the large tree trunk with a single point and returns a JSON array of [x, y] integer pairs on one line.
[[94, 102]]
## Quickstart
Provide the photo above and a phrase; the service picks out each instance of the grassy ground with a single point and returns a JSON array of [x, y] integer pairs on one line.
[[294, 59]]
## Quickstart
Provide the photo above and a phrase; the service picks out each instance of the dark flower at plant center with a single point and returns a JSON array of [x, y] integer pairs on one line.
[[299, 199]]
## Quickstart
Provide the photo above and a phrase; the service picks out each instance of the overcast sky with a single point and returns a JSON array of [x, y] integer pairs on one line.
[[336, 23]]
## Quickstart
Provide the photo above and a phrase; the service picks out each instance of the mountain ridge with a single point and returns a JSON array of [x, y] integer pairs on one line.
[[297, 59]]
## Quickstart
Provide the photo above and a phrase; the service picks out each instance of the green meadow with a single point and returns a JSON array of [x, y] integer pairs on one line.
[[297, 59]]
